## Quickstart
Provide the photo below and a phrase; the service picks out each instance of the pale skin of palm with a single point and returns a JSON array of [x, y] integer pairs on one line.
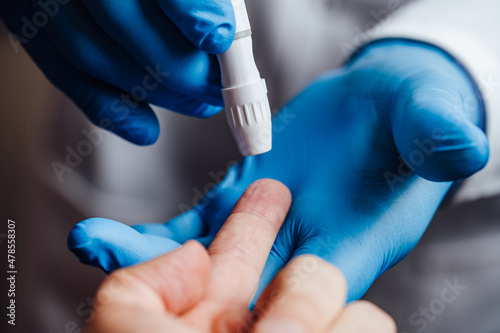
[[198, 290]]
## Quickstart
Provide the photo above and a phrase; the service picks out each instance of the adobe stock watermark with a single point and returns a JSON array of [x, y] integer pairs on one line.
[[290, 283], [203, 196], [91, 306], [489, 86], [421, 318], [2, 237], [425, 149], [365, 35], [31, 26], [119, 109]]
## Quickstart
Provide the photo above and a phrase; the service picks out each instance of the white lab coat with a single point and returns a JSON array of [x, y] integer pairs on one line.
[[467, 29]]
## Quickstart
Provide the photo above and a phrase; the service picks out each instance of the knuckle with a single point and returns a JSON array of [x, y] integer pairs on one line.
[[319, 278], [328, 275], [112, 286], [379, 319], [334, 275]]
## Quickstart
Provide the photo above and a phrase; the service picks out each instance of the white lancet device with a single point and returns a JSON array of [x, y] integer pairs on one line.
[[244, 91]]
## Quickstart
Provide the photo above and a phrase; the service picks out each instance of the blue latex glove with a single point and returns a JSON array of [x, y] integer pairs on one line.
[[339, 146], [99, 51]]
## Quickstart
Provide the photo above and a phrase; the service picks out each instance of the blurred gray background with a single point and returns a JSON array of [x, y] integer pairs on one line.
[[295, 40]]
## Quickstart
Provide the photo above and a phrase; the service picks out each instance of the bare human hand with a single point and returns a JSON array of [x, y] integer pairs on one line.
[[197, 290]]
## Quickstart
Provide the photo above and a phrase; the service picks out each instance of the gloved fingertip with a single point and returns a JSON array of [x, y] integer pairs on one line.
[[81, 242], [207, 111], [94, 240], [452, 156], [143, 130], [110, 245], [218, 40], [78, 237], [462, 158], [135, 122]]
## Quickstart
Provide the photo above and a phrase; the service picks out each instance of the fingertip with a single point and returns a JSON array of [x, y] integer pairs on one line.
[[454, 156], [219, 39], [268, 198], [81, 242], [180, 277], [84, 233], [468, 157], [110, 245], [195, 249], [84, 241], [207, 111], [194, 108], [315, 300], [268, 190], [326, 275], [77, 237], [192, 258], [143, 129], [272, 186], [438, 142], [209, 25], [373, 317], [134, 121]]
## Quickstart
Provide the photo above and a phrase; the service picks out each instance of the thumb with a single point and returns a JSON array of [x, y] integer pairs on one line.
[[179, 278], [110, 245], [203, 221], [210, 24], [142, 298], [435, 121]]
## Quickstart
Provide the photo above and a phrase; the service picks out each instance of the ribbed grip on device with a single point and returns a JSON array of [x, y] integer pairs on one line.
[[249, 117]]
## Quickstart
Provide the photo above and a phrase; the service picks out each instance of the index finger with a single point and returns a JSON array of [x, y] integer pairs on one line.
[[240, 249]]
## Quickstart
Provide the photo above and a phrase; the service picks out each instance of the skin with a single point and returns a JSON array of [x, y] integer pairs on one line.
[[194, 289]]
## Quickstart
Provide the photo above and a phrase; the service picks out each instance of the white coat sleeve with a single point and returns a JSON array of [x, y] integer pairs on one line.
[[469, 30]]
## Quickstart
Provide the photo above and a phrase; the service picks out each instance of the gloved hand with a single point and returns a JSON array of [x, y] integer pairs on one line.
[[344, 147], [113, 57]]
